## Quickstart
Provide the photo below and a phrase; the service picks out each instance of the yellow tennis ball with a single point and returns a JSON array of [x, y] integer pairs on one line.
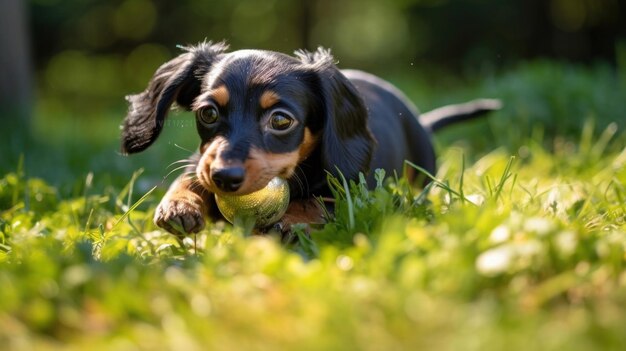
[[266, 205]]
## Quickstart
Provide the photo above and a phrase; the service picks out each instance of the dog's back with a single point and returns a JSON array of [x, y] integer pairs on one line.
[[400, 132], [393, 122]]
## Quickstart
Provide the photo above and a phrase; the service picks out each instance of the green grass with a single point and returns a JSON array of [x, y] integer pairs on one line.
[[519, 247]]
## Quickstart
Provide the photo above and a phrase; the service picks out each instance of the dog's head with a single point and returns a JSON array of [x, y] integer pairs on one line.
[[258, 113]]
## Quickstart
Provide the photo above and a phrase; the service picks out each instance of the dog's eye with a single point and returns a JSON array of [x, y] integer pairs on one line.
[[281, 121], [208, 115]]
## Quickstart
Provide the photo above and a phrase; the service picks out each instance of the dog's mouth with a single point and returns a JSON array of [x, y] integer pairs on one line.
[[242, 178], [248, 185]]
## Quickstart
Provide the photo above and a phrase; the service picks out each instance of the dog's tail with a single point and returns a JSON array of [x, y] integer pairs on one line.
[[450, 114]]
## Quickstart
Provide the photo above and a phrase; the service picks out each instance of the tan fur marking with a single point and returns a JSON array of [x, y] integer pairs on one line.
[[268, 99], [186, 189], [220, 95], [209, 154], [260, 166], [309, 142], [264, 166], [305, 211]]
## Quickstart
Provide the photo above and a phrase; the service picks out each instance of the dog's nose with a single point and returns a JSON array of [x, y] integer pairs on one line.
[[229, 178]]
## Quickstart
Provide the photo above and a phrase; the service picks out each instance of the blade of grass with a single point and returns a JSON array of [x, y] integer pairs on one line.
[[489, 185], [132, 208], [88, 186], [437, 182], [127, 191], [586, 138], [334, 185], [418, 200], [309, 247], [461, 180], [20, 180], [348, 199], [513, 186], [327, 215], [597, 150], [505, 176], [88, 223]]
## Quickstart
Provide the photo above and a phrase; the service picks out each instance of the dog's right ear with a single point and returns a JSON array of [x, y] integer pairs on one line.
[[347, 142], [176, 80]]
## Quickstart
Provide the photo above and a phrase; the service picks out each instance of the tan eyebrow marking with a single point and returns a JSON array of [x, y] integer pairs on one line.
[[220, 95], [268, 98]]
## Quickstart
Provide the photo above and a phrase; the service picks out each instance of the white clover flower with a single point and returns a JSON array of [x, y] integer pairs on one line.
[[476, 199], [541, 226], [500, 234], [495, 261], [566, 242]]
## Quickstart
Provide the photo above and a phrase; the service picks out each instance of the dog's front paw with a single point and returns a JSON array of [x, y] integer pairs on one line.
[[181, 215]]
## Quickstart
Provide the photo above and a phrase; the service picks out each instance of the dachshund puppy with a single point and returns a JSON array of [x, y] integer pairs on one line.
[[262, 114]]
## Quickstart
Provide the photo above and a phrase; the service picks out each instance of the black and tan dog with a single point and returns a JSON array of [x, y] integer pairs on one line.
[[263, 114]]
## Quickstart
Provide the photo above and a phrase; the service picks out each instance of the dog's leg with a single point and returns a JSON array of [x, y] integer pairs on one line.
[[184, 207], [304, 211]]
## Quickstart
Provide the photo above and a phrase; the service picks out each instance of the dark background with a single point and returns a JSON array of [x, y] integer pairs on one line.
[[97, 49], [456, 34]]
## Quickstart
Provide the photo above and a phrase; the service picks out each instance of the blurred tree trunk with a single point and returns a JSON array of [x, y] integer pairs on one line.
[[15, 62]]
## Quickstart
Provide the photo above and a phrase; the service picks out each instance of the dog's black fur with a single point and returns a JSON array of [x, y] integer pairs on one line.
[[337, 121]]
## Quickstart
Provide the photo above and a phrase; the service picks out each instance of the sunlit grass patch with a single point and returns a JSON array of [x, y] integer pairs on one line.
[[517, 251]]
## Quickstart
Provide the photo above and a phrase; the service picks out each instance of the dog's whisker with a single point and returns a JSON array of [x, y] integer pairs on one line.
[[188, 162], [304, 185], [187, 167], [180, 167], [196, 181], [174, 170], [190, 175], [204, 191], [197, 184], [304, 188], [182, 148]]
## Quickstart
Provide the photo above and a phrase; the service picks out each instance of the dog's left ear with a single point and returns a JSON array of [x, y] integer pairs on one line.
[[177, 80], [347, 141]]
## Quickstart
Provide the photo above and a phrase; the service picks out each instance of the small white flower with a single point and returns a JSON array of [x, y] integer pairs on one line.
[[476, 199], [541, 226], [500, 234], [528, 248], [566, 242], [495, 261], [345, 263]]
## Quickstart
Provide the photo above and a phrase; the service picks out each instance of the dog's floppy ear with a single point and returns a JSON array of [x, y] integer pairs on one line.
[[347, 143], [176, 80]]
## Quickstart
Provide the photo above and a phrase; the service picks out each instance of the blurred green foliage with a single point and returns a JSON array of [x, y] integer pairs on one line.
[[90, 53]]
